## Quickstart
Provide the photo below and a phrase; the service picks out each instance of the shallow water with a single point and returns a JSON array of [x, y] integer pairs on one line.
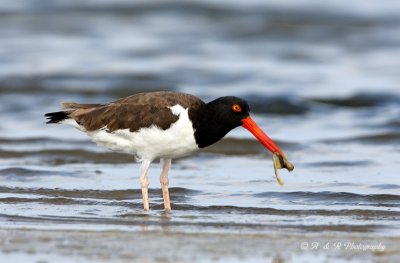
[[323, 81]]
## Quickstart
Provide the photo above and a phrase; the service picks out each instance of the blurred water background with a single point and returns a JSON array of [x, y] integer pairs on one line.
[[322, 79]]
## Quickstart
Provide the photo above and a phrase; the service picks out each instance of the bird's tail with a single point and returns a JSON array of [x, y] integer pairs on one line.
[[69, 109], [57, 117]]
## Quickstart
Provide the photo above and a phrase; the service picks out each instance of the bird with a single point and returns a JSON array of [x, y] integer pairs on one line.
[[160, 125]]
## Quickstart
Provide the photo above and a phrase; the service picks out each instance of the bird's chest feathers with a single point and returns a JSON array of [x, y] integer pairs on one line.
[[153, 142]]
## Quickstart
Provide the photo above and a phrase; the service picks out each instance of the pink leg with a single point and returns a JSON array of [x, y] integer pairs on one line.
[[144, 183], [164, 183]]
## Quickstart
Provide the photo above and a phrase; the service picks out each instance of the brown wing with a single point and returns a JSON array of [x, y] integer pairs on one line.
[[135, 112]]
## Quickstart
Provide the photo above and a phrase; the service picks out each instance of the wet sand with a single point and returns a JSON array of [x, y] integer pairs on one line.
[[171, 246]]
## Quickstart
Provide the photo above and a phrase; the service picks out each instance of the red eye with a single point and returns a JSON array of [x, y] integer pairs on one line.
[[236, 108]]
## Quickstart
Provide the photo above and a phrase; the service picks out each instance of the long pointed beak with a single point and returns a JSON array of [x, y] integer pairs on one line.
[[250, 125]]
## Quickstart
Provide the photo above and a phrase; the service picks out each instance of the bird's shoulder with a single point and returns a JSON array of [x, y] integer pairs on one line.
[[161, 99]]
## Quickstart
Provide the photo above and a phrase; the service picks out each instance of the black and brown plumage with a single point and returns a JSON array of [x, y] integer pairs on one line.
[[160, 125]]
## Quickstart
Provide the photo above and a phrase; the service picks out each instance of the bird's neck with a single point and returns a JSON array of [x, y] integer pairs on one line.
[[208, 125]]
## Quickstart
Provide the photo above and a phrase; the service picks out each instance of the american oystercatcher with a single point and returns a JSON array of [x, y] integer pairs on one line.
[[162, 125]]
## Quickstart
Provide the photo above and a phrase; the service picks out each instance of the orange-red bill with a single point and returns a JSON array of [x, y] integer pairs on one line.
[[252, 127]]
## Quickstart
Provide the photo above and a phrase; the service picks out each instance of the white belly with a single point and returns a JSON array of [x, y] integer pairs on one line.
[[152, 142]]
